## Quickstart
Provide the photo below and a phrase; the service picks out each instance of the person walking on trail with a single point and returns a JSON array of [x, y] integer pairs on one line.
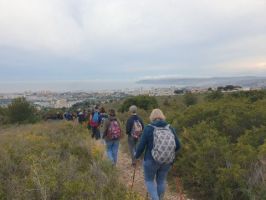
[[160, 143], [80, 116], [95, 121], [134, 128], [112, 135], [104, 116]]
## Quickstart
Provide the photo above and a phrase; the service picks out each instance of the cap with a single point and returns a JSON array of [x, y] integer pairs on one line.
[[133, 109]]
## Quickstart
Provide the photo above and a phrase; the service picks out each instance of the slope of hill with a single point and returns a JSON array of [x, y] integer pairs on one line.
[[55, 160]]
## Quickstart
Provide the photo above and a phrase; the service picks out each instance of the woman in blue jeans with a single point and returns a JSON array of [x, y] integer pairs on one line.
[[112, 134], [155, 172]]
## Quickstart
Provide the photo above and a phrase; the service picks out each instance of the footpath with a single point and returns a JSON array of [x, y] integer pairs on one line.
[[126, 171]]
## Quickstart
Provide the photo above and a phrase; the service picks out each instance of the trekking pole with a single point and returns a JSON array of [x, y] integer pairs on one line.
[[133, 178], [147, 196]]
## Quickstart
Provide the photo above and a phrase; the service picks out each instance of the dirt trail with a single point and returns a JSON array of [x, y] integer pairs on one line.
[[126, 171]]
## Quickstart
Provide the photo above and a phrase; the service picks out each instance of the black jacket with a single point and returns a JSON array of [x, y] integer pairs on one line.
[[130, 123]]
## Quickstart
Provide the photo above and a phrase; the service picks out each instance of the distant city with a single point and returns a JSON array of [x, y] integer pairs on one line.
[[49, 99], [151, 87], [67, 99]]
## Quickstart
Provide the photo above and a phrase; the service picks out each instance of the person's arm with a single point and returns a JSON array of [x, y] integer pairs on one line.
[[143, 142], [100, 118], [129, 126], [106, 125]]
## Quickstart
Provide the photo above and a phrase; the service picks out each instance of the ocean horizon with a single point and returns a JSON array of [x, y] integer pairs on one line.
[[66, 86]]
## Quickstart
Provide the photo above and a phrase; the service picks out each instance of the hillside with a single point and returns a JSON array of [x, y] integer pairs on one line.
[[222, 156], [223, 143], [55, 160]]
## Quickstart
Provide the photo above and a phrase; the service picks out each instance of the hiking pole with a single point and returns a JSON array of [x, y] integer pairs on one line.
[[147, 196], [133, 178]]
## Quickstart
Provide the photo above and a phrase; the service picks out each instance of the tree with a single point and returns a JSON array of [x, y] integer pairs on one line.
[[21, 111]]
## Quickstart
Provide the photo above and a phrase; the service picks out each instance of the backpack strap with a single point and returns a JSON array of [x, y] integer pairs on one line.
[[167, 126], [151, 125]]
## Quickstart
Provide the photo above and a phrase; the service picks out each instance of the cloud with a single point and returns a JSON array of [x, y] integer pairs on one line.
[[143, 38]]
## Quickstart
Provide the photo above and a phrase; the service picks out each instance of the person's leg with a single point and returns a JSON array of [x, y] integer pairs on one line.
[[150, 169], [161, 176], [97, 134], [115, 150], [93, 132], [132, 148], [109, 146]]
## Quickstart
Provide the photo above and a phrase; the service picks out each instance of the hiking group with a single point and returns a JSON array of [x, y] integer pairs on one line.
[[157, 140]]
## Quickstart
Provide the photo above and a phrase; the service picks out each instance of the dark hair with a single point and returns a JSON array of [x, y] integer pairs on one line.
[[112, 112], [102, 110]]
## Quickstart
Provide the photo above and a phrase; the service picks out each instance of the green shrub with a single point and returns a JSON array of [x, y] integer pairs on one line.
[[55, 161], [143, 102], [21, 111], [223, 153], [190, 99]]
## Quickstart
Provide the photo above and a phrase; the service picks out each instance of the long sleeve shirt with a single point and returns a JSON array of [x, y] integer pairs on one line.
[[146, 140]]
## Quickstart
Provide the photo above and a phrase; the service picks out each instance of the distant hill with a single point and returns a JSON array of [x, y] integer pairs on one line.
[[244, 81]]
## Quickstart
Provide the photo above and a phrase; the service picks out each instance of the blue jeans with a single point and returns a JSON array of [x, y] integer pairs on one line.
[[112, 150], [155, 178]]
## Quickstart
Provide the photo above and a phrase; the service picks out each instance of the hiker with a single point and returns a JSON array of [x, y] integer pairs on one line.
[[88, 118], [112, 134], [134, 128], [95, 120], [104, 116], [80, 116], [161, 143], [68, 116]]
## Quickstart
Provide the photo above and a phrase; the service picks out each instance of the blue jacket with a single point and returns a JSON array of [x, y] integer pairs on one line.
[[130, 123], [146, 140]]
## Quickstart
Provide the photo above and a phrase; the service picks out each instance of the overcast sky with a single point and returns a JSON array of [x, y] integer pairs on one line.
[[47, 40]]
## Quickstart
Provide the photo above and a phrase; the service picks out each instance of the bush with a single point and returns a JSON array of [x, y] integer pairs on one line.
[[223, 155], [143, 102], [55, 161], [3, 116], [21, 111], [214, 95], [190, 99]]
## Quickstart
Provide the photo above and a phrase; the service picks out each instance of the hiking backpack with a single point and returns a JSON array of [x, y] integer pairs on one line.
[[114, 130], [94, 122], [164, 145], [136, 129]]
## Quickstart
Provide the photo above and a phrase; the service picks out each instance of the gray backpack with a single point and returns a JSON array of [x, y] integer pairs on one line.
[[164, 145]]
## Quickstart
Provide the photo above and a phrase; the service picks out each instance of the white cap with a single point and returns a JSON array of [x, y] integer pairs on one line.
[[133, 109]]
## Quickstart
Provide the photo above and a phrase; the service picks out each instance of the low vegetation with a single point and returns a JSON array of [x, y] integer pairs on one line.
[[20, 111], [223, 154], [55, 160]]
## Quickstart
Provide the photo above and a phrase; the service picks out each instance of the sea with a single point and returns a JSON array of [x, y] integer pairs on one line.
[[66, 86]]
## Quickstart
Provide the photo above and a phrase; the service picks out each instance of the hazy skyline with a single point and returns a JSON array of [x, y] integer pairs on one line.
[[51, 40]]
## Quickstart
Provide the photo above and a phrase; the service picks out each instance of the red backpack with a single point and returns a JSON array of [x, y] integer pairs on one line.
[[114, 130]]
